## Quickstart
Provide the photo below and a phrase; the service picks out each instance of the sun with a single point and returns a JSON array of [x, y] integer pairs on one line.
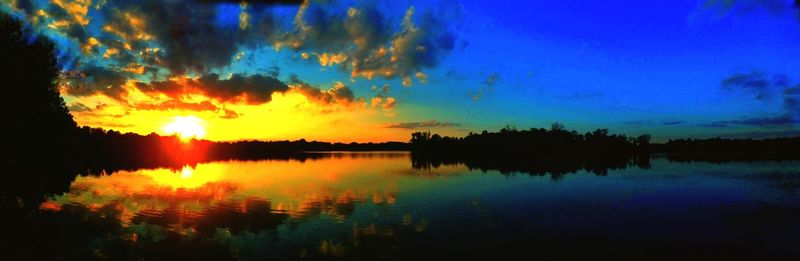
[[186, 127]]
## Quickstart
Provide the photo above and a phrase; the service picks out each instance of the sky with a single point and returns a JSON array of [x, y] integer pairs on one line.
[[379, 70]]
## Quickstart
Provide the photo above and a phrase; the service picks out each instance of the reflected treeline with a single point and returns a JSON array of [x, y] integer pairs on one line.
[[556, 167], [720, 150]]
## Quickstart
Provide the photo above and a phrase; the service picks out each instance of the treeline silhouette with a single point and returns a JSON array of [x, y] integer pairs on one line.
[[536, 151], [533, 142], [36, 121], [108, 150]]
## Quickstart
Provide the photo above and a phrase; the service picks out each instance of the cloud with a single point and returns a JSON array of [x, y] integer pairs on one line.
[[229, 114], [78, 107], [178, 36], [765, 88], [760, 122], [338, 94], [363, 42], [754, 81], [250, 89], [422, 124], [672, 122], [486, 87], [774, 6], [178, 105], [265, 2], [387, 103], [187, 37], [650, 122], [93, 79], [382, 90], [253, 89], [109, 124], [179, 48], [717, 124], [762, 134]]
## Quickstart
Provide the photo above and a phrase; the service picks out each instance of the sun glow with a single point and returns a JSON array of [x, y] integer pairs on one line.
[[186, 172], [288, 116], [186, 127]]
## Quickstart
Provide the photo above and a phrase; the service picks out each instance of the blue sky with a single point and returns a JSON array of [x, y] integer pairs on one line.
[[630, 67], [683, 68]]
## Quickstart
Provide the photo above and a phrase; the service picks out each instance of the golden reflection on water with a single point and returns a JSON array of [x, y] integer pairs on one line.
[[296, 188]]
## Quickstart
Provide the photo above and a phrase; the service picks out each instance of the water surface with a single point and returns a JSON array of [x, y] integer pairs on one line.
[[380, 205]]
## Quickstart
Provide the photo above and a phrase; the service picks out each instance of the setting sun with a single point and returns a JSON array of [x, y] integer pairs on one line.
[[186, 127]]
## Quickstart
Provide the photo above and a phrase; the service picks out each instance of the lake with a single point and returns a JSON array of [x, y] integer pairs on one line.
[[388, 205]]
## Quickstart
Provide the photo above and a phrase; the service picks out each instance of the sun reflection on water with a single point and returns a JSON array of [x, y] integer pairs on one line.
[[185, 178], [296, 188], [221, 200]]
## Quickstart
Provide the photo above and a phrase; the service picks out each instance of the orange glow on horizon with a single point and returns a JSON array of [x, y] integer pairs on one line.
[[288, 116]]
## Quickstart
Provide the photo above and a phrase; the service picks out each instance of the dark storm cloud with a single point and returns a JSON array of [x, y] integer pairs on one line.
[[422, 124], [26, 6], [152, 42], [74, 27], [185, 33], [361, 40], [179, 35], [189, 39], [255, 88], [94, 79], [252, 89]]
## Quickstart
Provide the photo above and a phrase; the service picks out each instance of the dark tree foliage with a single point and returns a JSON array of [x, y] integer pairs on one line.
[[554, 141], [35, 119], [109, 150], [555, 151]]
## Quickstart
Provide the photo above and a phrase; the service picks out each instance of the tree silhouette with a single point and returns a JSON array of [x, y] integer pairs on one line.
[[36, 118]]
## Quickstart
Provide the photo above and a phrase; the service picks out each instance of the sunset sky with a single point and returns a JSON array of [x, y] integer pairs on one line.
[[379, 70]]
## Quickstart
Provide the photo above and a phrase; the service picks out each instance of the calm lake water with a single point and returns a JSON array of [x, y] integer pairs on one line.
[[376, 205]]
